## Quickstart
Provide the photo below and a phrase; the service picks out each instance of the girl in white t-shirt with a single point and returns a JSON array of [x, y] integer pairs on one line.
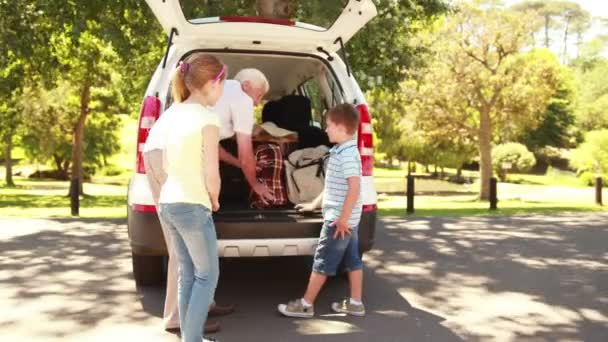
[[192, 188]]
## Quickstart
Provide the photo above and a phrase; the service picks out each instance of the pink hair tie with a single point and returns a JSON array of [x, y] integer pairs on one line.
[[184, 67], [220, 74]]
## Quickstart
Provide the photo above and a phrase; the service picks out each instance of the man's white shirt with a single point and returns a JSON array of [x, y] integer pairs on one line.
[[235, 110]]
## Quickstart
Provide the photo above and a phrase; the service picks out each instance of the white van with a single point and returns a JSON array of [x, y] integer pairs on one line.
[[297, 58]]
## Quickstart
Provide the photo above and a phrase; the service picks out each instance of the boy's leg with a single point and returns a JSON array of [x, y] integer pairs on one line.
[[327, 258], [354, 266], [315, 283], [355, 281]]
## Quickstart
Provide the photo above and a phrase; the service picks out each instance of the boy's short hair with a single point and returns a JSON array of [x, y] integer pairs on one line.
[[346, 115]]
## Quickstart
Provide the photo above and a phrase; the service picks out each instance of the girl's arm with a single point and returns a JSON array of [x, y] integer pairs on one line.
[[211, 170]]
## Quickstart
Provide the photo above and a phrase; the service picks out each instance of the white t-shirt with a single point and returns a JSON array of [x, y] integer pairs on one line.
[[235, 110], [156, 136], [184, 154]]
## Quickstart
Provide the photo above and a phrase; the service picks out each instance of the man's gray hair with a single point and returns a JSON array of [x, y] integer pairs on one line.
[[254, 76]]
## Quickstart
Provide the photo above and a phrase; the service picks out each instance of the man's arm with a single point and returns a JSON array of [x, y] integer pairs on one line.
[[153, 163], [228, 158], [248, 163]]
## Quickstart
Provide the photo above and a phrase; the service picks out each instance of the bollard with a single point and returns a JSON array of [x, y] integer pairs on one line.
[[598, 190], [410, 194], [493, 194]]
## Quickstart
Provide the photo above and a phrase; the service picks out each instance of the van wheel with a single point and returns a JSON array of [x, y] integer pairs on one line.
[[148, 270]]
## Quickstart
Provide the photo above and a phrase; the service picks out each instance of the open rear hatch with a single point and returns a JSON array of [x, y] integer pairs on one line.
[[315, 25]]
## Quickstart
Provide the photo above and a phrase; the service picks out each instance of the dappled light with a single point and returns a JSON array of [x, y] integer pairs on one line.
[[502, 278], [76, 274]]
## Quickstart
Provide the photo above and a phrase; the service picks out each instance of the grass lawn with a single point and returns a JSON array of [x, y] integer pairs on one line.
[[106, 195], [555, 192], [47, 198], [468, 205]]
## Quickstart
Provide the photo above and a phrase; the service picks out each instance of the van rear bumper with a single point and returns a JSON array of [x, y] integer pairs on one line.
[[240, 237]]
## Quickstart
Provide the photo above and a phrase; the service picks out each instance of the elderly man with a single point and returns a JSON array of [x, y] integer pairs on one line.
[[235, 109]]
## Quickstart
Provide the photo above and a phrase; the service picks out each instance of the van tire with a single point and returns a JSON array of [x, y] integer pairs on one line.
[[148, 270]]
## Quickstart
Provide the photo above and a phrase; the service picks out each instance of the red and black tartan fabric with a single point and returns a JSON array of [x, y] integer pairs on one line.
[[270, 172]]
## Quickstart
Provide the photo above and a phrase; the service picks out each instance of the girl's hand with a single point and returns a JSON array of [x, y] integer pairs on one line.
[[215, 205]]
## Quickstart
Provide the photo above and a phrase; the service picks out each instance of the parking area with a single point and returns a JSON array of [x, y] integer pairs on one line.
[[525, 278]]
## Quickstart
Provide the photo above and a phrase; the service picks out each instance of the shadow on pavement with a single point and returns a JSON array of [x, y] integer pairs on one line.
[[73, 273], [510, 278]]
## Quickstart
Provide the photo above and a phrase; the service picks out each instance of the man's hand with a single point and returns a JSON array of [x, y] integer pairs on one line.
[[342, 228], [262, 191]]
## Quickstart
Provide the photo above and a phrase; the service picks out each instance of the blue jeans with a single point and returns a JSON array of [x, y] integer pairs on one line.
[[194, 242], [330, 252]]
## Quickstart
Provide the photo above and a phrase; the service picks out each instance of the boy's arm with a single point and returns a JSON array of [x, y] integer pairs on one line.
[[352, 195], [311, 206]]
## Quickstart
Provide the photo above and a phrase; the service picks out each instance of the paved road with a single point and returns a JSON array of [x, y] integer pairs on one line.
[[530, 278]]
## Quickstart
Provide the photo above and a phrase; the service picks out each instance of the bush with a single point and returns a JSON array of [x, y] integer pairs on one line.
[[592, 154], [514, 154], [112, 170], [588, 178]]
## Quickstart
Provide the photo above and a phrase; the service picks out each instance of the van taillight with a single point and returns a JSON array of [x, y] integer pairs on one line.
[[365, 141], [150, 110]]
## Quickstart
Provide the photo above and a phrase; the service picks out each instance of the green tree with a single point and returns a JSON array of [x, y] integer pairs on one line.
[[52, 116], [556, 126], [388, 115], [488, 85], [591, 102], [20, 39]]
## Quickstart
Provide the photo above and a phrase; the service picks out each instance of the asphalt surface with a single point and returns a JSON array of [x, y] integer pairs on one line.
[[526, 278]]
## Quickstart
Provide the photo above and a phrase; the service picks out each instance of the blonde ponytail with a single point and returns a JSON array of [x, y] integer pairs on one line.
[[179, 89], [193, 73]]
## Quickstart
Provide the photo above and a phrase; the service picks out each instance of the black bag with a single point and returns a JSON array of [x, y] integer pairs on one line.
[[296, 112], [312, 136], [273, 112]]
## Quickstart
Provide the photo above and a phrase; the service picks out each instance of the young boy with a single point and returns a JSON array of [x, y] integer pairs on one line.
[[341, 214]]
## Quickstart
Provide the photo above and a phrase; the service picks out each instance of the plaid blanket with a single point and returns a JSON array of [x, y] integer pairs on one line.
[[270, 172]]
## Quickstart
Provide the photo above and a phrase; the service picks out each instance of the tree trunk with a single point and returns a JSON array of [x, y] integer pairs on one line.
[[77, 153], [459, 172], [565, 58], [547, 22], [485, 153], [8, 159]]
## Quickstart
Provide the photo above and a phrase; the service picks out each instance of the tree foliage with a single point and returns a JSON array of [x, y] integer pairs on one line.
[[479, 82]]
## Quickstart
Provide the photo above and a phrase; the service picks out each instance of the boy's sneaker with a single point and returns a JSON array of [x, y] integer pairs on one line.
[[347, 307], [295, 308]]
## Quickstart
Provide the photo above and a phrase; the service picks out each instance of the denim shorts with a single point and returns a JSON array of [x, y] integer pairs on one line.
[[331, 252]]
